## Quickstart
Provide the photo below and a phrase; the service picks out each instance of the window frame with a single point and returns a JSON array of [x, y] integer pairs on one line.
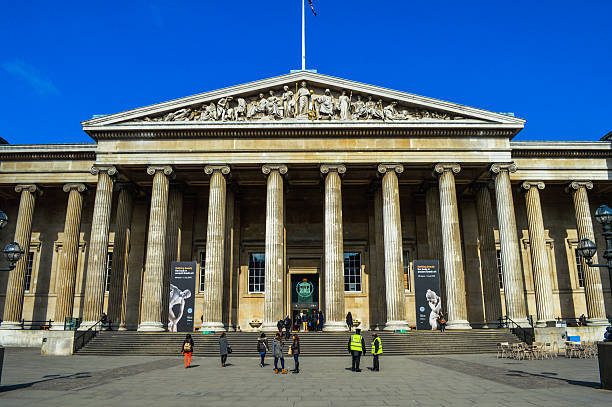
[[251, 276], [202, 273], [359, 275], [29, 272]]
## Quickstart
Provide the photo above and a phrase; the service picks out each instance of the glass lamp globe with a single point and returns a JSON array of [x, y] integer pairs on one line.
[[586, 248], [3, 219], [603, 215], [13, 252]]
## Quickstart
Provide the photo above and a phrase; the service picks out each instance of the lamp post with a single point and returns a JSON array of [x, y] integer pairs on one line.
[[587, 248], [12, 251]]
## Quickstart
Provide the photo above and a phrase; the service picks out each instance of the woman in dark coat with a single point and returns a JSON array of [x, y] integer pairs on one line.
[[223, 348], [278, 350], [349, 321], [187, 350], [262, 348], [295, 351]]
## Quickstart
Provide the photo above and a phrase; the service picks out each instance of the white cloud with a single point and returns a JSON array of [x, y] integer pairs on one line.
[[39, 82]]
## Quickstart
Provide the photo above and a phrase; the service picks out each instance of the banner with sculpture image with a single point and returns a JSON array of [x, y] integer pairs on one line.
[[427, 293], [182, 296]]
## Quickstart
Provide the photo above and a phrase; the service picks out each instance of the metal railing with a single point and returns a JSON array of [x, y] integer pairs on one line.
[[527, 335], [36, 325], [81, 339]]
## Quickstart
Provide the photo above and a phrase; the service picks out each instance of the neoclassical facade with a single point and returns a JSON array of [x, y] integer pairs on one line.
[[303, 178]]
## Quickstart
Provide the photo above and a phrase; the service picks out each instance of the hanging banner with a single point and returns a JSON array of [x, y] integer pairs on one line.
[[427, 293], [182, 296]]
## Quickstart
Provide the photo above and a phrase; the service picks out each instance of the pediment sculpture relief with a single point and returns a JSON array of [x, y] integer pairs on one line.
[[302, 104]]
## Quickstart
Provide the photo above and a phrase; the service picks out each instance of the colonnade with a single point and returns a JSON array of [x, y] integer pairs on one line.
[[442, 214]]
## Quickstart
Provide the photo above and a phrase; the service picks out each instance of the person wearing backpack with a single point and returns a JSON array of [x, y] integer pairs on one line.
[[224, 348], [278, 352], [187, 350], [262, 348]]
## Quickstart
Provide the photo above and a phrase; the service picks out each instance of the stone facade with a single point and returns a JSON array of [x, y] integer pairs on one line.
[[317, 186]]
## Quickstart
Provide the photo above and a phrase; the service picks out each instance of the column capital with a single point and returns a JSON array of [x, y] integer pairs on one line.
[[576, 185], [385, 167], [527, 185], [210, 169], [153, 169], [267, 168], [109, 169], [499, 167], [339, 168], [33, 188], [74, 186], [443, 167]]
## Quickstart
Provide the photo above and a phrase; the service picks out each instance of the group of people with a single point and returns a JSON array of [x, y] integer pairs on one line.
[[303, 322], [356, 347]]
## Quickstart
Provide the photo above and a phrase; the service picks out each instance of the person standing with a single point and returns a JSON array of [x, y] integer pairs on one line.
[[295, 351], [442, 320], [224, 348], [278, 352], [305, 321], [187, 350], [262, 348], [356, 345], [321, 320], [298, 322], [376, 351], [287, 326], [279, 325], [349, 321]]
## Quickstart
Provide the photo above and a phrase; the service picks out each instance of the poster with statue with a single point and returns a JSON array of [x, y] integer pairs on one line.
[[182, 296], [427, 293]]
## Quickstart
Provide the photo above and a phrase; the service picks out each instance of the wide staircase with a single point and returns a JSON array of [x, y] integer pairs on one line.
[[114, 343]]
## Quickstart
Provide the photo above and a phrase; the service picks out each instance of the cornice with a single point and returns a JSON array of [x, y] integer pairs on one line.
[[30, 152]]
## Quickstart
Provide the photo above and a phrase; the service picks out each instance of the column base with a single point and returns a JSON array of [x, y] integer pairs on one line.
[[545, 324], [334, 326], [85, 325], [522, 322], [458, 324], [396, 325], [493, 324], [122, 328], [13, 326], [56, 326], [212, 326], [151, 327], [590, 321]]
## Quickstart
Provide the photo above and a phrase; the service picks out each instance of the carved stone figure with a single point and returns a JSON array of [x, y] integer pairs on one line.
[[288, 103], [374, 110], [344, 106], [258, 107], [224, 112], [273, 106], [359, 108], [241, 110], [325, 104], [179, 115], [390, 113], [208, 112], [303, 95]]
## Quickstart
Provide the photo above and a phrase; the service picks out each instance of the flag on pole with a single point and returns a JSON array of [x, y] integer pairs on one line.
[[312, 7]]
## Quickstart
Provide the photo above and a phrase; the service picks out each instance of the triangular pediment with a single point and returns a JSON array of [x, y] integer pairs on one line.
[[302, 96]]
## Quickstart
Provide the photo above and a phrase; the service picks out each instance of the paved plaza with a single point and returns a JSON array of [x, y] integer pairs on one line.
[[29, 379]]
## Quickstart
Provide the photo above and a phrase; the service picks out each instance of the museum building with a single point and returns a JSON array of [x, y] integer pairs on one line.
[[303, 180]]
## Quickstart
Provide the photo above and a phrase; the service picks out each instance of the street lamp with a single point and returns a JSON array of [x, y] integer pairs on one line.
[[12, 251], [587, 249]]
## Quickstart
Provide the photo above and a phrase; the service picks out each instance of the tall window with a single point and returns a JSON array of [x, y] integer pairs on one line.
[[109, 267], [28, 276], [202, 269], [579, 269], [407, 270], [257, 272], [499, 270], [352, 272]]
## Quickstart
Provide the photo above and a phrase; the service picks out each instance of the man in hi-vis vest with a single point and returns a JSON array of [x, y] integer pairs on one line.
[[356, 346], [376, 350]]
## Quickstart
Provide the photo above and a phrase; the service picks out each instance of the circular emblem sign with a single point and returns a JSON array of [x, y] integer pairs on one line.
[[304, 288]]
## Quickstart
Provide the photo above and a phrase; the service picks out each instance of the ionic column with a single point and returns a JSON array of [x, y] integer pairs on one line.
[[151, 312], [173, 241], [98, 246], [275, 246], [117, 296], [334, 249], [593, 290], [64, 301], [434, 233], [451, 243], [508, 239], [539, 255], [13, 305], [215, 249], [394, 267], [488, 256]]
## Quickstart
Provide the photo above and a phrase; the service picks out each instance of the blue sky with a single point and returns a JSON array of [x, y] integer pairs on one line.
[[549, 62]]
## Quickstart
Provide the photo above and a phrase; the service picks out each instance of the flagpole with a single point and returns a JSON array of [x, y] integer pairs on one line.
[[303, 38]]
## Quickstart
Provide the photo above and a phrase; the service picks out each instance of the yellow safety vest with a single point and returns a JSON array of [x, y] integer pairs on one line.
[[356, 343], [379, 347]]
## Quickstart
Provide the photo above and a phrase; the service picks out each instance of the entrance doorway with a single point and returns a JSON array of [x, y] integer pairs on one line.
[[304, 300]]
